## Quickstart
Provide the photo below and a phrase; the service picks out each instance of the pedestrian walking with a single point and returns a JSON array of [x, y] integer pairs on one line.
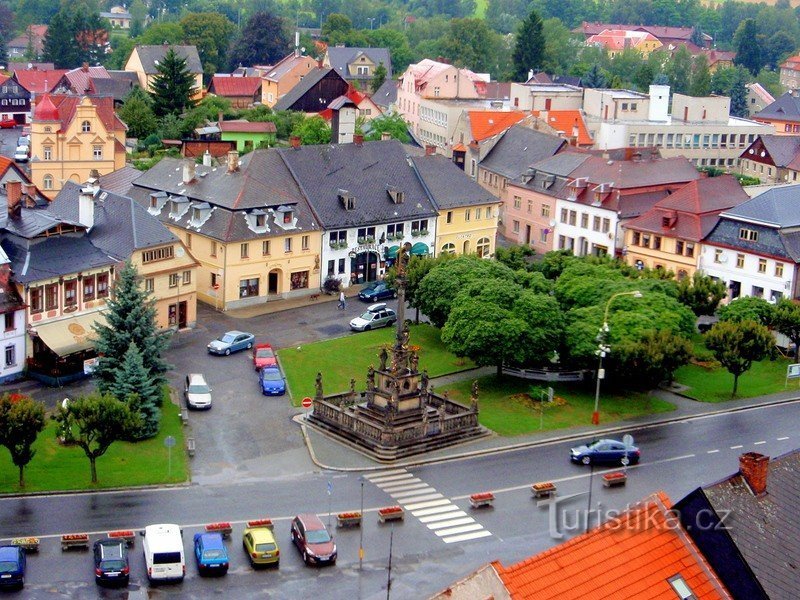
[[342, 301]]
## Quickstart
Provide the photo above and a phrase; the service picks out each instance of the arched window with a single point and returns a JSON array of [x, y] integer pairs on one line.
[[482, 247], [682, 275], [449, 249], [48, 129], [86, 127], [48, 182]]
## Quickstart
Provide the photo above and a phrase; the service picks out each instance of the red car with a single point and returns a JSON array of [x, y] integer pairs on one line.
[[264, 356], [313, 541], [7, 123]]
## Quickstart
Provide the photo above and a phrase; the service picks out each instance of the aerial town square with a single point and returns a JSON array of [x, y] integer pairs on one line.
[[412, 299]]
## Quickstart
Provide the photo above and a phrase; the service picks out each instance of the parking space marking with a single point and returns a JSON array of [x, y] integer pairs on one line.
[[443, 516], [737, 447], [712, 451], [759, 443], [780, 439], [466, 536]]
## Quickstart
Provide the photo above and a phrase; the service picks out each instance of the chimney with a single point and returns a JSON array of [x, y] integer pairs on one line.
[[530, 74], [86, 207], [754, 468], [297, 44], [188, 171], [85, 67], [13, 192], [206, 159], [385, 135], [319, 63], [295, 141], [430, 150], [233, 161], [358, 139]]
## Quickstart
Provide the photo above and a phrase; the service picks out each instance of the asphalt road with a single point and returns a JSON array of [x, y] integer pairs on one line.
[[676, 458]]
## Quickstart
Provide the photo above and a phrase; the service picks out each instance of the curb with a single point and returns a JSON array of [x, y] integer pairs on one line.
[[137, 488]]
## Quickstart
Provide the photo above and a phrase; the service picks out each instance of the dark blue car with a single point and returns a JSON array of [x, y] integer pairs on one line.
[[377, 290], [605, 452], [210, 554], [12, 566], [271, 381]]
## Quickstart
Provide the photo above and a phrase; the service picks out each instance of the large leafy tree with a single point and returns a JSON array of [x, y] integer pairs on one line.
[[59, 45], [313, 130], [74, 36], [786, 319], [529, 49], [167, 32], [748, 50], [134, 385], [94, 422], [137, 113], [701, 293], [173, 86], [21, 422], [263, 40], [736, 345], [651, 359], [416, 270], [595, 78], [211, 33], [680, 70], [748, 308], [701, 77], [131, 317], [470, 43], [377, 78], [392, 123]]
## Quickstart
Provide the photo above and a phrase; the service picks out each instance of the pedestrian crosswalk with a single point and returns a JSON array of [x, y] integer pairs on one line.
[[435, 511]]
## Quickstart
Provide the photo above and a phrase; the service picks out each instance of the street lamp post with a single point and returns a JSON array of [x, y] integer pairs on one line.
[[603, 349], [361, 529]]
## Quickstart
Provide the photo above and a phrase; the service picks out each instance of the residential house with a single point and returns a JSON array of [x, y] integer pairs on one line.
[[641, 552], [758, 98], [246, 223], [71, 136], [772, 159], [475, 130], [546, 96], [790, 72], [248, 135], [243, 92], [15, 101], [568, 124], [12, 335], [668, 36], [385, 97], [357, 65], [542, 77], [118, 16], [616, 41], [719, 59], [81, 81], [279, 79], [124, 230], [669, 235], [144, 60], [783, 114], [38, 81], [698, 128], [750, 539], [29, 45], [755, 247], [29, 195], [319, 88]]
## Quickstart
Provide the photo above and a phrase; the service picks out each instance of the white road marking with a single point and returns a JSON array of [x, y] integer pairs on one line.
[[426, 490], [415, 483], [430, 504], [737, 447], [443, 516], [712, 451], [759, 443], [433, 511], [457, 530], [466, 536], [451, 523], [373, 476], [396, 478], [780, 439], [418, 499]]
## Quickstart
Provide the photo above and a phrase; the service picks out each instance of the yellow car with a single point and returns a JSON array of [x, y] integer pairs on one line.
[[261, 547]]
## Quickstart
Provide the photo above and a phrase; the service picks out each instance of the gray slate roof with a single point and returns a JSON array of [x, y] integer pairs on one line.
[[785, 107], [150, 54], [779, 207], [116, 88], [386, 95], [340, 57], [121, 226], [448, 185], [120, 181], [519, 148], [561, 164], [297, 92], [365, 171], [783, 149]]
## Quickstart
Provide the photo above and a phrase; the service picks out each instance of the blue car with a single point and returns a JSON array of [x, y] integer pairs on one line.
[[377, 290], [210, 554], [232, 341], [605, 452], [271, 381], [12, 567]]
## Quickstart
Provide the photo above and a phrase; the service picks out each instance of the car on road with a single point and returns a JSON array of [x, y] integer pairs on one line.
[[313, 541], [7, 123], [260, 545], [111, 565], [264, 356], [377, 315], [24, 140], [271, 381], [196, 391], [377, 290], [163, 552], [232, 341], [12, 566], [21, 154], [605, 452], [210, 554]]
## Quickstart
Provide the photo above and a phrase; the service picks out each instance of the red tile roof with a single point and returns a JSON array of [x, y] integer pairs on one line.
[[66, 106], [80, 80], [234, 86], [793, 63], [619, 39], [565, 121], [3, 78], [632, 556], [39, 82], [488, 123]]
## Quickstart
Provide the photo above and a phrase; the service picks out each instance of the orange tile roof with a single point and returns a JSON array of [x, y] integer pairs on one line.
[[235, 86], [631, 556], [488, 123], [39, 82], [565, 120]]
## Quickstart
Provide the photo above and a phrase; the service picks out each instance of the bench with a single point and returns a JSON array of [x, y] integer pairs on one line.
[[190, 446], [481, 500], [390, 513], [224, 528], [614, 479], [348, 519], [74, 540], [543, 489], [185, 416]]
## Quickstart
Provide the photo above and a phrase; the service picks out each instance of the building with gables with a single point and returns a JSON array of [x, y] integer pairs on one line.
[[532, 95], [15, 101], [783, 114], [278, 79], [31, 41], [474, 131], [668, 36], [12, 335], [38, 81], [616, 41], [72, 137], [790, 73], [248, 135], [318, 90], [772, 159], [357, 65], [144, 62], [243, 92]]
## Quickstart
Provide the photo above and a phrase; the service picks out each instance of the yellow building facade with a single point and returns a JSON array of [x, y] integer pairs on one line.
[[144, 62], [467, 230], [651, 251]]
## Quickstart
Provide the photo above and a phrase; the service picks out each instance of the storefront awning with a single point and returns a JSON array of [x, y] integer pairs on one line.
[[420, 249], [391, 252], [70, 335]]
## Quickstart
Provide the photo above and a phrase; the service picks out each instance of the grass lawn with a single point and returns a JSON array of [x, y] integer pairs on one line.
[[345, 358], [507, 414], [57, 467], [716, 385]]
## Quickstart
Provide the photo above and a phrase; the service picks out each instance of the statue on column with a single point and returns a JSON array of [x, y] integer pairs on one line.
[[473, 399], [425, 379], [414, 362], [319, 386], [352, 389], [384, 356], [371, 378]]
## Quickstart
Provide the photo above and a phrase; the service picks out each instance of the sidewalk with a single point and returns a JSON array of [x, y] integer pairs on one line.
[[274, 306], [331, 454]]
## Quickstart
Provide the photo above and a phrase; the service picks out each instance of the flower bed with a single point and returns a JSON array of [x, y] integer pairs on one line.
[[74, 540], [390, 513], [123, 534], [260, 523], [348, 519], [28, 544], [223, 527], [481, 499], [615, 478], [543, 489]]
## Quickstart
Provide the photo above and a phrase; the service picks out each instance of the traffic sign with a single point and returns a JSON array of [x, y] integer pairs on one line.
[[306, 402], [627, 439], [169, 441]]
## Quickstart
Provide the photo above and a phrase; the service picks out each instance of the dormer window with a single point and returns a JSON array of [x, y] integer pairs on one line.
[[347, 199], [395, 194], [86, 127], [196, 214], [287, 217], [748, 235], [261, 220], [153, 202]]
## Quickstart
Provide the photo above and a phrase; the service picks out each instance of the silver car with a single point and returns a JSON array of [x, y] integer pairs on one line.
[[377, 315], [196, 391]]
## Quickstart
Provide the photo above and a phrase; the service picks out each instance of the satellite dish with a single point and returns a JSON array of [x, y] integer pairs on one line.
[[180, 252], [302, 49], [627, 439]]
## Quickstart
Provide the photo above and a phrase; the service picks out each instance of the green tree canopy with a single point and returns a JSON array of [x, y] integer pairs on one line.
[[680, 70], [786, 319], [416, 270], [748, 50], [515, 257], [134, 385], [313, 130], [650, 360], [392, 123], [263, 40], [701, 293], [529, 48], [737, 344], [378, 78], [748, 308], [21, 422], [211, 33], [173, 86], [701, 77], [138, 114], [166, 32]]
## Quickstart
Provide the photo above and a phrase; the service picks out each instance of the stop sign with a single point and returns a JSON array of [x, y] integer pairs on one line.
[[306, 402]]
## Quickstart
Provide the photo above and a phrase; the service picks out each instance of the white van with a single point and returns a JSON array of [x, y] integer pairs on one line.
[[163, 553]]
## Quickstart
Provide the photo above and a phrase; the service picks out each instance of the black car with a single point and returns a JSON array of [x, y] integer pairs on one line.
[[377, 290], [111, 562], [605, 452]]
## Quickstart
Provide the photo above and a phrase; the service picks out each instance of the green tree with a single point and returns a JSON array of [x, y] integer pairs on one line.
[[173, 86], [336, 28], [748, 308], [644, 76], [392, 123], [313, 130], [561, 46], [171, 127], [138, 11], [738, 93], [748, 51], [21, 422], [263, 40], [134, 385], [470, 43], [680, 70], [59, 45], [651, 359], [736, 345], [786, 319], [167, 32], [701, 293], [378, 78], [771, 80], [697, 37], [137, 114], [211, 33], [529, 48], [131, 317], [516, 257], [94, 422], [595, 78], [416, 270], [3, 50], [701, 77]]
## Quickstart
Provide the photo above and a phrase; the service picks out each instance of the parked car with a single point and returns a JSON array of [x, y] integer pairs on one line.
[[7, 123], [12, 566], [261, 547], [111, 563], [196, 391], [24, 140], [377, 315], [210, 554], [271, 381], [605, 452], [163, 552], [21, 154], [313, 541], [232, 341], [264, 356], [377, 290]]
